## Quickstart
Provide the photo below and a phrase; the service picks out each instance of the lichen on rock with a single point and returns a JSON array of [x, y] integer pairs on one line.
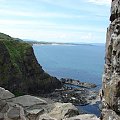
[[111, 76]]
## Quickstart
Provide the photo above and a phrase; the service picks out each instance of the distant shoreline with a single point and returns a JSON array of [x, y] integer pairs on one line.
[[67, 44]]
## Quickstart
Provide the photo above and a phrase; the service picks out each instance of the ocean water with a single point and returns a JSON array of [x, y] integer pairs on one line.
[[81, 62]]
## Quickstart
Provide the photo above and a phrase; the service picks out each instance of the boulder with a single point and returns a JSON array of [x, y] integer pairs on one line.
[[84, 117], [34, 113], [16, 112], [11, 111], [63, 110], [27, 101], [45, 117], [1, 116], [5, 94], [108, 114], [4, 106]]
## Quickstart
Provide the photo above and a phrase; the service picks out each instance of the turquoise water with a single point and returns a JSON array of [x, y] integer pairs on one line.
[[82, 62]]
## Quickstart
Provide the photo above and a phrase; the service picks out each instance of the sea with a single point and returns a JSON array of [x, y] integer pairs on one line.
[[83, 62]]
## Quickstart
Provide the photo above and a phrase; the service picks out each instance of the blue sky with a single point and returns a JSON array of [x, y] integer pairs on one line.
[[56, 20]]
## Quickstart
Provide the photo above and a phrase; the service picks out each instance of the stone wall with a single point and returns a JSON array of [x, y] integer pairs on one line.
[[111, 76]]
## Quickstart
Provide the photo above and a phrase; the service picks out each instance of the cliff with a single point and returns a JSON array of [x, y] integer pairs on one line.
[[19, 70], [111, 76]]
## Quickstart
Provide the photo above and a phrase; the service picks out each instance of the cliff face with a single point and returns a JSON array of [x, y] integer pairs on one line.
[[111, 77], [19, 69]]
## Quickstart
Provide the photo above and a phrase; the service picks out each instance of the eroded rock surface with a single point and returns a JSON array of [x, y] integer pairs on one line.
[[111, 77], [5, 94], [63, 110], [27, 100], [33, 108], [84, 117]]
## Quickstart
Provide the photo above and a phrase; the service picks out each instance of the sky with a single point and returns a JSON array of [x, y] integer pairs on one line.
[[78, 21]]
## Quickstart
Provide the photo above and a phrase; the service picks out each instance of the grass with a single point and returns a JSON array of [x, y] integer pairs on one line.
[[16, 49]]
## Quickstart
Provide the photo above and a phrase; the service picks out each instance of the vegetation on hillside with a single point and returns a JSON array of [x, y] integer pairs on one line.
[[19, 69]]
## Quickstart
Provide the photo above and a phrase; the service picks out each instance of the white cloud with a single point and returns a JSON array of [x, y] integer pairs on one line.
[[35, 24], [38, 14], [57, 36], [46, 25], [9, 22], [100, 2]]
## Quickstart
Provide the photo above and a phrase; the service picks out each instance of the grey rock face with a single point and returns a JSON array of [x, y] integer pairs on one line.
[[111, 76], [5, 94], [84, 117], [109, 114], [27, 100], [33, 108], [63, 110]]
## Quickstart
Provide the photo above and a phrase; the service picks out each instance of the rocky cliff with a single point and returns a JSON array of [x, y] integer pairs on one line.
[[19, 70], [111, 76]]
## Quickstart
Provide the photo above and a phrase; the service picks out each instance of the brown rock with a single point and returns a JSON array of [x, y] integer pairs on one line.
[[111, 76]]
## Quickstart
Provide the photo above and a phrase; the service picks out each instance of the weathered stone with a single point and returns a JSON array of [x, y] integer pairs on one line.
[[77, 83], [33, 114], [111, 76], [27, 101], [15, 112], [5, 94], [45, 117], [1, 116], [108, 114], [4, 106], [63, 110], [11, 111], [84, 117]]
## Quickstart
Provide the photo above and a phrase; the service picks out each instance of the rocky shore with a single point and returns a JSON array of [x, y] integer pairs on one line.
[[34, 108], [21, 74], [79, 94], [77, 83]]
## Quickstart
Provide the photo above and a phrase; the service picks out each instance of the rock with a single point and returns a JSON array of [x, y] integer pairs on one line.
[[1, 116], [11, 111], [115, 11], [45, 117], [63, 110], [27, 101], [77, 83], [33, 108], [108, 114], [2, 105], [16, 112], [5, 94], [76, 96], [111, 77], [33, 114], [84, 117]]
